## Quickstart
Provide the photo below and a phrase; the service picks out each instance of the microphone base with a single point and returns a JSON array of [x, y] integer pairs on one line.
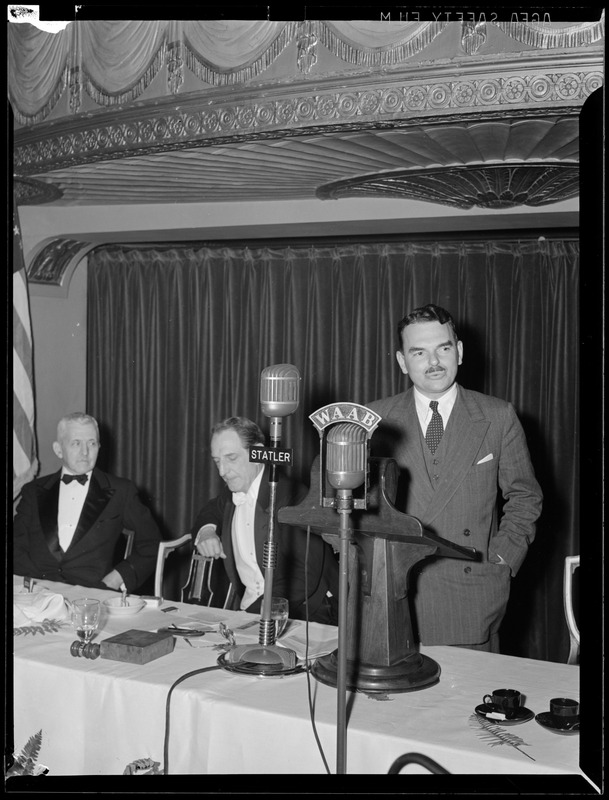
[[414, 672], [258, 659]]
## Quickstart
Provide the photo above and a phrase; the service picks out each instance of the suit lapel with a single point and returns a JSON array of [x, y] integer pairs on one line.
[[468, 427], [48, 505], [420, 488], [98, 496]]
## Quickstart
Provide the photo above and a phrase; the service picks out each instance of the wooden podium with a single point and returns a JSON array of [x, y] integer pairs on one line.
[[384, 545]]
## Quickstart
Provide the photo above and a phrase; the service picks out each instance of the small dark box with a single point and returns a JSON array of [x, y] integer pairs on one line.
[[137, 647]]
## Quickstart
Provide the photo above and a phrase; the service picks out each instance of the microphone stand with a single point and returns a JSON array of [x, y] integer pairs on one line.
[[267, 627], [344, 507]]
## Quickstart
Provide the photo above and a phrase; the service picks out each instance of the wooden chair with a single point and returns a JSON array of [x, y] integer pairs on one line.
[[165, 548], [571, 564], [205, 584]]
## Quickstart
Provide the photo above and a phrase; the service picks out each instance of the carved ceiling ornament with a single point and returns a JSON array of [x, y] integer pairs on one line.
[[473, 36], [489, 186], [29, 192], [53, 264], [89, 55], [307, 48]]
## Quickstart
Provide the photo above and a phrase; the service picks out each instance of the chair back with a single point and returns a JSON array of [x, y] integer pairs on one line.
[[165, 548], [571, 564], [207, 583]]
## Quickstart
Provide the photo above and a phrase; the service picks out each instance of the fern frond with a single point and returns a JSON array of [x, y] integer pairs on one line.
[[25, 762], [496, 735], [46, 626]]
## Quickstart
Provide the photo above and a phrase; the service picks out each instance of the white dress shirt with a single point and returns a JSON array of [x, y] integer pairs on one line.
[[72, 498], [445, 406], [244, 545]]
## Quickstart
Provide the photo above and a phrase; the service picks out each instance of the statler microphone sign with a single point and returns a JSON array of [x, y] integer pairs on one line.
[[271, 455]]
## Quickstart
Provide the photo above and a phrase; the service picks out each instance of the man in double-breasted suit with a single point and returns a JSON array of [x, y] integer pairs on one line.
[[234, 527], [68, 524], [458, 451]]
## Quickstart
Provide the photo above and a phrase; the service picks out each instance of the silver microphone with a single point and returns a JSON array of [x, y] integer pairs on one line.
[[279, 395], [346, 456]]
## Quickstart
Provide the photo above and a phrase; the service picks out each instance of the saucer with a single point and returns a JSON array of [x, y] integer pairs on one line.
[[546, 720], [521, 714]]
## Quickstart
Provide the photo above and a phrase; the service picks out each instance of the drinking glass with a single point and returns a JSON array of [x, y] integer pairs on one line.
[[279, 613], [85, 617]]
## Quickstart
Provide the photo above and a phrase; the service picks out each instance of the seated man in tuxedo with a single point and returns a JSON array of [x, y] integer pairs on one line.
[[234, 527], [68, 524]]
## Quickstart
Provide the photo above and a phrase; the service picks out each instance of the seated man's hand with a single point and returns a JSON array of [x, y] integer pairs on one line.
[[208, 543], [113, 580]]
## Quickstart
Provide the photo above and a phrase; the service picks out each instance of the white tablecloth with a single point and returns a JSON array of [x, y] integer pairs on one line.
[[98, 716]]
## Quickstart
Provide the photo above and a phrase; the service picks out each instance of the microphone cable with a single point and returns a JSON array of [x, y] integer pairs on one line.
[[202, 670], [307, 665], [167, 709]]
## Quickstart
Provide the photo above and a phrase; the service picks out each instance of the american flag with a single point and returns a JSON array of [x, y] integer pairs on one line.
[[25, 462]]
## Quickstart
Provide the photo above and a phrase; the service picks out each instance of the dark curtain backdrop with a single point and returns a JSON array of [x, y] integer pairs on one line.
[[178, 336]]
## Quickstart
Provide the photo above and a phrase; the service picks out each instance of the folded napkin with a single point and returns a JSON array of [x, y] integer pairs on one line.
[[323, 639], [29, 609]]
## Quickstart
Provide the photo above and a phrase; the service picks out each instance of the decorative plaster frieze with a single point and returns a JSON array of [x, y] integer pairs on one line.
[[158, 127]]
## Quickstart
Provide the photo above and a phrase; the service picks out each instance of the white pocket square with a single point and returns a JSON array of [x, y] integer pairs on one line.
[[489, 457]]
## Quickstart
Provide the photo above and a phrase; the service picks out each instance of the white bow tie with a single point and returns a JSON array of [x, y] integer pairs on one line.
[[239, 498]]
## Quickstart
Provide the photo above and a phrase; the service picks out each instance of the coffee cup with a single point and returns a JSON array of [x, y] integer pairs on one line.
[[564, 710], [505, 701]]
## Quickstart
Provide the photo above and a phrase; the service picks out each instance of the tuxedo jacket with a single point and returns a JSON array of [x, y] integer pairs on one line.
[[482, 461], [289, 573], [111, 505]]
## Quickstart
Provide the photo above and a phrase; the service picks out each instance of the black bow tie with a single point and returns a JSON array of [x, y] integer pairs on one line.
[[80, 478]]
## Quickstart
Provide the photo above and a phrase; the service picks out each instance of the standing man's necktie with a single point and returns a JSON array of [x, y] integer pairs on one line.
[[435, 429]]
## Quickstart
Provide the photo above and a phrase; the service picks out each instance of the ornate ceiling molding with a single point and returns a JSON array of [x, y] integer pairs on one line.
[[391, 98], [495, 186]]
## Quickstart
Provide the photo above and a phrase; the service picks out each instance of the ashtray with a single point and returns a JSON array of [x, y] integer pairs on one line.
[[114, 606]]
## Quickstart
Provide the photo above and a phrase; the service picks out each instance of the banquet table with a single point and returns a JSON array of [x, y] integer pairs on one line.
[[97, 716]]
